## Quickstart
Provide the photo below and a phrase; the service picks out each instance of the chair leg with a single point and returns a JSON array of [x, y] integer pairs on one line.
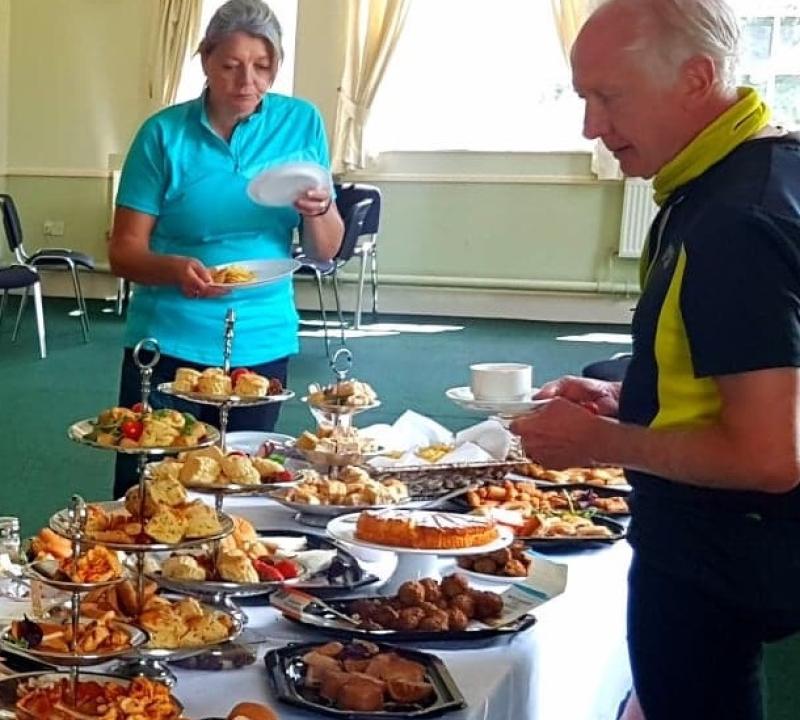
[[76, 284], [374, 276], [336, 298], [3, 305], [322, 312], [22, 301], [122, 296], [360, 298], [37, 305]]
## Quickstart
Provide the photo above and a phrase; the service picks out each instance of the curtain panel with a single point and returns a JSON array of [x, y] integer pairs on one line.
[[373, 28], [177, 30]]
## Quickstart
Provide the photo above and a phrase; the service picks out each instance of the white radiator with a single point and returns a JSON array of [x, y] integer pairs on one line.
[[638, 211]]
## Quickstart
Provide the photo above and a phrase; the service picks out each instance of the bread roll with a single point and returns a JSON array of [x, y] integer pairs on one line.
[[251, 711]]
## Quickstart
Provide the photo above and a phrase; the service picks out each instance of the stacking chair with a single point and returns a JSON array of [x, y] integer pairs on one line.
[[17, 277], [353, 229], [47, 258], [612, 370], [366, 248]]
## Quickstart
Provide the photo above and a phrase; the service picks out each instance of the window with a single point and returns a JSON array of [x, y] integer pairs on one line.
[[467, 75], [771, 54], [192, 79], [472, 75]]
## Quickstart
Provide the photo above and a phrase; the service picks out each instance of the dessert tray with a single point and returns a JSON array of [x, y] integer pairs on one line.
[[44, 571], [422, 687], [233, 399], [81, 431], [61, 523], [567, 542]]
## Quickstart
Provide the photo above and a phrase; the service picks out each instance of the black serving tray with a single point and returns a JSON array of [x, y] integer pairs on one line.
[[286, 671], [543, 544], [477, 632]]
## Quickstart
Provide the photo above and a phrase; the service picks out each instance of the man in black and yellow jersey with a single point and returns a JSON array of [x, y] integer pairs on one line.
[[706, 422]]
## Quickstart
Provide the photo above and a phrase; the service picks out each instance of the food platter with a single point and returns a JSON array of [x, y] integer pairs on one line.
[[79, 432], [574, 542], [476, 631], [69, 659], [36, 571], [340, 409], [61, 523], [329, 458], [434, 479], [319, 515], [286, 672], [344, 529], [12, 685], [216, 400]]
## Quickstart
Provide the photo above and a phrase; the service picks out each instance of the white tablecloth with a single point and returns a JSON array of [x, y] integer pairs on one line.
[[572, 665]]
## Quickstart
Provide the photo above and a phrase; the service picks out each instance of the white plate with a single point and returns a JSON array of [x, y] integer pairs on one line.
[[266, 272], [281, 186], [233, 399], [463, 397], [344, 529], [248, 441]]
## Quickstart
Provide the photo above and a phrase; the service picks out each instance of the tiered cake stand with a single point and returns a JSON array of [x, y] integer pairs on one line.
[[149, 661]]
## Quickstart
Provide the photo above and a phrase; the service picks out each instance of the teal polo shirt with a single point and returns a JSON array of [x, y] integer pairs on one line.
[[194, 183]]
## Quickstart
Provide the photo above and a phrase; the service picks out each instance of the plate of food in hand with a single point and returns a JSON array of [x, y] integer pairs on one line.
[[213, 386], [96, 640], [169, 520], [425, 532], [252, 273], [361, 679], [213, 471], [342, 398], [48, 696], [326, 496], [531, 498], [136, 431], [425, 610]]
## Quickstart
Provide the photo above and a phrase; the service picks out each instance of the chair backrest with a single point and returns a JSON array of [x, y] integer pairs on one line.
[[348, 194], [353, 229], [11, 223]]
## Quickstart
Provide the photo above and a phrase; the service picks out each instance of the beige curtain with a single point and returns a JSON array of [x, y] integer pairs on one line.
[[177, 29], [373, 28], [569, 15]]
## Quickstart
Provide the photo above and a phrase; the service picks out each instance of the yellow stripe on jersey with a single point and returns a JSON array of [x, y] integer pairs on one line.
[[683, 399]]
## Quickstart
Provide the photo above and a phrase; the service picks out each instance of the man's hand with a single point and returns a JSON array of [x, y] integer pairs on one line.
[[559, 434], [596, 395]]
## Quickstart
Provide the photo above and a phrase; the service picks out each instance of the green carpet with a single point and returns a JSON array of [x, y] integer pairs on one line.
[[40, 467]]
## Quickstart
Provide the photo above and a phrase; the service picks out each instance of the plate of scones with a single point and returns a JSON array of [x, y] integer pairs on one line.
[[213, 386]]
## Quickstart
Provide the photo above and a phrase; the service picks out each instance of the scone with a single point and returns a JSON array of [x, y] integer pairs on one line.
[[250, 384], [166, 628], [235, 566], [165, 469], [185, 379], [240, 471], [182, 567], [306, 441], [213, 381], [188, 608], [266, 467], [167, 491], [201, 520], [214, 452], [200, 471], [166, 526]]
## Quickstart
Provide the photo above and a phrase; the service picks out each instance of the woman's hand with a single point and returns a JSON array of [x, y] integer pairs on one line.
[[194, 280], [314, 203], [598, 396]]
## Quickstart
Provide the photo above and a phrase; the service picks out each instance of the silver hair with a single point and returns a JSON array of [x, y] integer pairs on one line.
[[672, 31], [253, 17]]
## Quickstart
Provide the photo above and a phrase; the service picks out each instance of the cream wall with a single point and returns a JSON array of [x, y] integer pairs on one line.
[[5, 28], [454, 222]]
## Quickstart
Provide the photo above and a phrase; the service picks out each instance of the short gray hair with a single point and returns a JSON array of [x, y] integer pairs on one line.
[[672, 31], [253, 17]]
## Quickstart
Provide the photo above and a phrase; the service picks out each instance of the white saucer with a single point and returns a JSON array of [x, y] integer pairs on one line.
[[463, 397], [249, 441], [282, 185], [266, 272]]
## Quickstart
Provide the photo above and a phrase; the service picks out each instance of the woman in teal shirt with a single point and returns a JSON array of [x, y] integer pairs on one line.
[[182, 207]]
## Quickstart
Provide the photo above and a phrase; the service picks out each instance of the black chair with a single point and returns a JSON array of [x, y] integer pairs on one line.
[[353, 224], [347, 195], [47, 258], [17, 277], [612, 370]]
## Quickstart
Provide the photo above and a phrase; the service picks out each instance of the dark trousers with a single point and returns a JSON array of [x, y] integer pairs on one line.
[[261, 417], [696, 656]]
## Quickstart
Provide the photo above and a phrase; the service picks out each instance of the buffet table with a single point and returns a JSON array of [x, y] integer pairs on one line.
[[572, 664]]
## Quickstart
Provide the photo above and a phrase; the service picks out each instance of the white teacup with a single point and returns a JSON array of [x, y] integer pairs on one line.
[[501, 381]]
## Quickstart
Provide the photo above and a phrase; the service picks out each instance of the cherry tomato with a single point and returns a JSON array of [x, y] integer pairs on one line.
[[132, 429], [266, 572], [287, 568], [236, 374], [137, 408]]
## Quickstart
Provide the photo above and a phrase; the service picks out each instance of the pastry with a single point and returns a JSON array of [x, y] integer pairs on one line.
[[166, 526], [425, 529], [200, 471], [165, 469], [183, 567], [185, 379], [213, 381], [266, 467], [235, 566], [157, 433], [239, 470], [201, 520], [249, 384]]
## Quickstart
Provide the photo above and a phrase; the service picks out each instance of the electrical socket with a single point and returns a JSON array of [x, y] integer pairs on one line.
[[54, 228]]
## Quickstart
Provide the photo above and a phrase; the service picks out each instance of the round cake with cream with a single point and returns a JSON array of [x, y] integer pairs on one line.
[[425, 530]]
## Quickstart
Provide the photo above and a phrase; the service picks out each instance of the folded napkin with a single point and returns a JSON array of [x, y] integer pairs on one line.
[[410, 430], [489, 435]]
